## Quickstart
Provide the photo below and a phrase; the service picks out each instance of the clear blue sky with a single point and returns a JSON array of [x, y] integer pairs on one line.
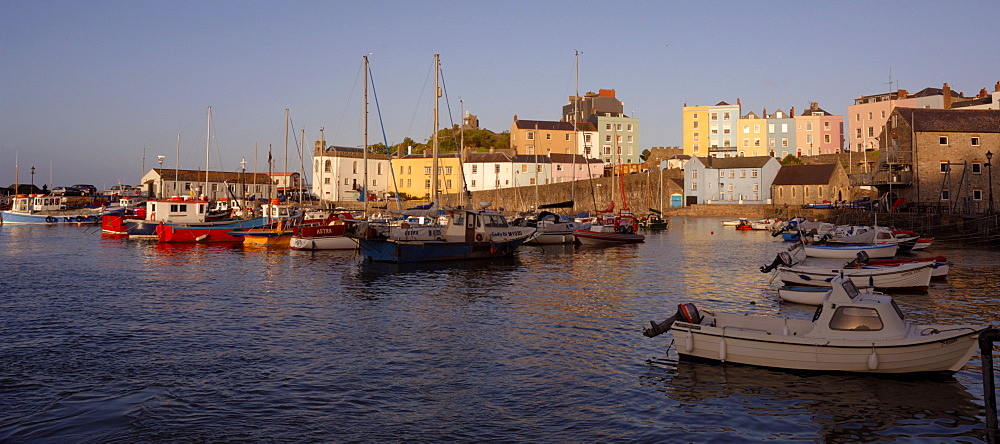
[[87, 86]]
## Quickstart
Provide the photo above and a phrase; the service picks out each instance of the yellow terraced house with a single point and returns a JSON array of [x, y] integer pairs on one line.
[[413, 174]]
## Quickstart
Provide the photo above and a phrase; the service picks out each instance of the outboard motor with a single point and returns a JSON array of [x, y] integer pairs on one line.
[[685, 312], [859, 261], [782, 258]]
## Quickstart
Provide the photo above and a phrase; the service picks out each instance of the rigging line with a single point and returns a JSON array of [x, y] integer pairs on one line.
[[409, 127], [295, 138], [347, 104], [385, 140], [454, 137], [218, 150]]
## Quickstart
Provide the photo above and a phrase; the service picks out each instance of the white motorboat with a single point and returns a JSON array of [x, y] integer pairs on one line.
[[910, 277], [851, 331], [806, 295], [850, 251]]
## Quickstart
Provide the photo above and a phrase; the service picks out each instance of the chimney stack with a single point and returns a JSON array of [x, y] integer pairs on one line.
[[901, 94], [791, 113], [946, 92]]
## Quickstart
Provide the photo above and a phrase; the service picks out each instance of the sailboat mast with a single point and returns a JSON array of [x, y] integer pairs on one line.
[[434, 161], [576, 137], [302, 167], [208, 144], [322, 165], [535, 149], [284, 168], [364, 186]]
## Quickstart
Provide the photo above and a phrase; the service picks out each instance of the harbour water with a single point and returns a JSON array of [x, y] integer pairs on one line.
[[105, 339]]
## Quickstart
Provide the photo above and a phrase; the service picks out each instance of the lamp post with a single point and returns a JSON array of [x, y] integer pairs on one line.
[[32, 179], [989, 164], [159, 191]]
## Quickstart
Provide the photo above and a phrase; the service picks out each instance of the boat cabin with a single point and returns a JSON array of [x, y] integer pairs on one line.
[[847, 313], [34, 203], [177, 209], [481, 226]]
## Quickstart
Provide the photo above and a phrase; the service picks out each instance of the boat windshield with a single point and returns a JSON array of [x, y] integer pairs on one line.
[[851, 290]]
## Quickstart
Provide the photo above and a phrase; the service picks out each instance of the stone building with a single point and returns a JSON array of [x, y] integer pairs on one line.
[[798, 185], [937, 158]]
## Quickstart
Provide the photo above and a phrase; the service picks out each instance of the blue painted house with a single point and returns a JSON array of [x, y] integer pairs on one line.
[[734, 180]]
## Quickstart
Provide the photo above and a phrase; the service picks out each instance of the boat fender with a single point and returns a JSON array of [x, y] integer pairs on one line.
[[493, 249], [722, 350], [50, 219], [201, 238], [873, 359], [479, 237], [784, 329], [152, 216], [689, 342]]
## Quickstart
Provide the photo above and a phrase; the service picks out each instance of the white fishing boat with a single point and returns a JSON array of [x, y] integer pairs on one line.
[[850, 251], [851, 331], [806, 295], [909, 277]]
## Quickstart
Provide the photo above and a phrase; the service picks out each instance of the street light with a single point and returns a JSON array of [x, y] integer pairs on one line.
[[32, 179], [159, 191], [989, 164]]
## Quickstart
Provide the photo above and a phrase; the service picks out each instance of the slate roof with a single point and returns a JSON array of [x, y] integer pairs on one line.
[[531, 158], [213, 176], [486, 158], [544, 125], [567, 158], [805, 174], [723, 163], [351, 152], [951, 120]]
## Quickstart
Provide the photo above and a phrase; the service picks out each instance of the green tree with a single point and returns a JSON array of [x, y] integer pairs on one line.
[[791, 160]]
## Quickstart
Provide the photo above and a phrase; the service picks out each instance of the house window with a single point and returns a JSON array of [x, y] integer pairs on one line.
[[945, 167], [805, 191], [746, 129], [826, 126], [746, 142], [473, 183], [696, 149], [756, 142], [784, 142], [694, 125], [548, 136], [607, 127], [586, 138], [409, 169], [694, 186], [326, 180], [722, 173], [743, 173], [618, 127], [857, 133], [784, 127], [567, 137], [474, 168], [977, 168], [726, 129], [945, 194], [943, 140], [697, 137], [694, 174], [809, 139], [871, 131], [400, 182], [975, 141], [770, 142], [409, 182], [524, 168], [732, 174], [607, 137], [538, 168], [977, 194], [714, 116], [753, 173], [756, 187], [347, 181], [532, 182], [355, 167], [447, 184], [496, 168], [629, 128], [826, 138], [809, 126], [326, 166], [607, 150], [629, 139], [530, 135], [730, 189]]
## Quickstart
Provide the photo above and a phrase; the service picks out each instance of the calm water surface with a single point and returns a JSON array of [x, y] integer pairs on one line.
[[105, 339]]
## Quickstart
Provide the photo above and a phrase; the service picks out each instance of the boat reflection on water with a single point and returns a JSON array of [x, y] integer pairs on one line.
[[841, 407]]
